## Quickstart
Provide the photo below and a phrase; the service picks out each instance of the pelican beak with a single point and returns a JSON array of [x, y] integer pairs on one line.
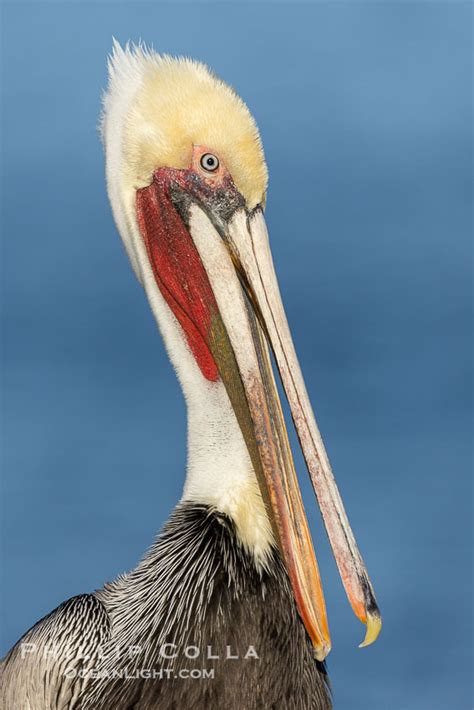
[[224, 284]]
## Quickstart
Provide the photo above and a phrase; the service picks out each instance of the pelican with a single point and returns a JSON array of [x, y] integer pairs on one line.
[[226, 609]]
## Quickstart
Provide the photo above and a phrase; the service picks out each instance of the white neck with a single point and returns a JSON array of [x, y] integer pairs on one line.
[[219, 470]]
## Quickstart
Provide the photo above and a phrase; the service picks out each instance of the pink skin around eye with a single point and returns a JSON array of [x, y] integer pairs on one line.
[[215, 177]]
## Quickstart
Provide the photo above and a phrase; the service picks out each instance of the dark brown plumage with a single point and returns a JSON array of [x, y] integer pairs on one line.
[[200, 591]]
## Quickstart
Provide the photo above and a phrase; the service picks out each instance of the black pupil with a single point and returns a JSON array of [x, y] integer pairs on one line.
[[210, 161]]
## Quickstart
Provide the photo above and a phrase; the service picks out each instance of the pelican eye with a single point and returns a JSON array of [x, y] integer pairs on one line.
[[209, 162]]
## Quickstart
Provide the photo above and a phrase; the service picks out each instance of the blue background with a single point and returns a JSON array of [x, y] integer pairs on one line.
[[365, 112]]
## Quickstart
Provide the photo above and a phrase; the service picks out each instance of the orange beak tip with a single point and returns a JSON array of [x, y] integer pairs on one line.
[[374, 625], [321, 650]]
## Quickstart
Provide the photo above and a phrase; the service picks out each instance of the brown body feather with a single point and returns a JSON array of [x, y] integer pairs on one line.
[[200, 591]]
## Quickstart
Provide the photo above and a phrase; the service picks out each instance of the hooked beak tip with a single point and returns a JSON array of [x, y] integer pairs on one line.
[[374, 625]]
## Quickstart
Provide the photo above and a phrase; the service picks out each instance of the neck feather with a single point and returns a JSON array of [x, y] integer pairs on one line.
[[219, 471]]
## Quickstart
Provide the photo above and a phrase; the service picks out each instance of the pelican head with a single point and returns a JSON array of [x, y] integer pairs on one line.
[[187, 180]]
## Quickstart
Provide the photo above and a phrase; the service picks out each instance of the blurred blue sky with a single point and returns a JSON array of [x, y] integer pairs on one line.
[[366, 116]]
